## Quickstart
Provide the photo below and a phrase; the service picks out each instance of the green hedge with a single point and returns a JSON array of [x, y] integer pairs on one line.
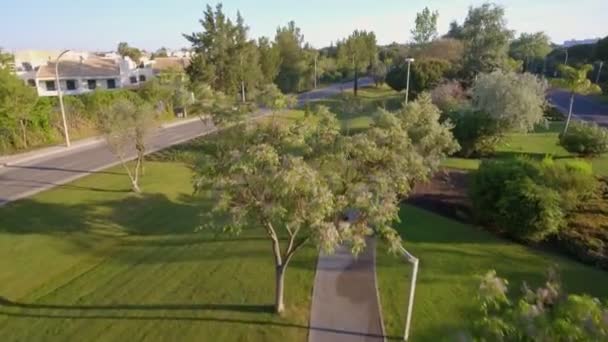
[[527, 199]]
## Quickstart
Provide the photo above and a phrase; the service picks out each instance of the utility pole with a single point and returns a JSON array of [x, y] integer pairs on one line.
[[407, 86], [566, 60], [599, 73], [65, 123], [316, 55]]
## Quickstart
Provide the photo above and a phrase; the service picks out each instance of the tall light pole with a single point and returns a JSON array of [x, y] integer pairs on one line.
[[566, 60], [599, 73], [316, 56], [407, 84], [65, 123]]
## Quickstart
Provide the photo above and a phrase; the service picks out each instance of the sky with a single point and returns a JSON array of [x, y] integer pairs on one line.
[[149, 24]]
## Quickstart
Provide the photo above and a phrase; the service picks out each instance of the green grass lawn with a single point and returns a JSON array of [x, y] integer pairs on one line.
[[371, 98], [538, 144], [451, 254], [91, 261]]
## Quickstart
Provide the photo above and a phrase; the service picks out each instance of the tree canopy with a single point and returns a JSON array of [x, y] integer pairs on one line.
[[125, 50], [486, 38], [358, 52], [530, 46], [308, 182], [601, 49], [517, 101], [543, 314], [575, 80], [6, 59], [224, 55], [426, 26], [289, 41], [125, 126], [16, 103]]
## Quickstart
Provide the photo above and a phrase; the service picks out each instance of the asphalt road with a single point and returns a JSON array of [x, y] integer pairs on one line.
[[585, 107], [23, 179]]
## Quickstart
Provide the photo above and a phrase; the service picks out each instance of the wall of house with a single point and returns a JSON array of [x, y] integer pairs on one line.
[[81, 86]]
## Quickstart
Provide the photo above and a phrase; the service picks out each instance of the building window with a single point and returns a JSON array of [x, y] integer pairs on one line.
[[142, 78], [31, 82], [133, 79], [50, 85], [70, 84], [91, 84], [111, 84]]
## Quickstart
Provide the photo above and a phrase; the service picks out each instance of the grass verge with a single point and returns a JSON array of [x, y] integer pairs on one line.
[[91, 261], [451, 254]]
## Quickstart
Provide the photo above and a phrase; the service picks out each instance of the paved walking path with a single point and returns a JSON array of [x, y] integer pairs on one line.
[[345, 303]]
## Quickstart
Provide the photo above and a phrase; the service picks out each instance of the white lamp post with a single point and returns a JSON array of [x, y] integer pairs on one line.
[[65, 124], [409, 62]]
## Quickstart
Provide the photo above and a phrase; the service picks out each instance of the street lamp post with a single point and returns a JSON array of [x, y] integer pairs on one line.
[[599, 73], [407, 84], [566, 60], [65, 123]]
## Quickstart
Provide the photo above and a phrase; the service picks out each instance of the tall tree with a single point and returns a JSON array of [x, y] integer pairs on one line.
[[224, 57], [162, 52], [516, 101], [455, 31], [270, 60], [601, 49], [16, 102], [486, 39], [426, 26], [305, 182], [6, 59], [125, 126], [358, 52], [289, 41], [576, 82], [530, 47], [125, 50]]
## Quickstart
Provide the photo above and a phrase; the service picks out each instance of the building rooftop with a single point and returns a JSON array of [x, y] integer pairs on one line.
[[89, 67], [170, 63]]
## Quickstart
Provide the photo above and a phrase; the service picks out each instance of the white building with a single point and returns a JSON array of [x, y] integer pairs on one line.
[[82, 72]]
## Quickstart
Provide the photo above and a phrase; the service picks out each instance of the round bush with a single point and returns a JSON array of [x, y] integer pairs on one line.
[[585, 138], [477, 132], [529, 211]]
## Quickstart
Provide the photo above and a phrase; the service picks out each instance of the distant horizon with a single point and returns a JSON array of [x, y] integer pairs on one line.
[[99, 26]]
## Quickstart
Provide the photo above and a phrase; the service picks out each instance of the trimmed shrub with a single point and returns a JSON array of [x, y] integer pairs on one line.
[[574, 180], [585, 139], [477, 132], [529, 211], [449, 96], [489, 180]]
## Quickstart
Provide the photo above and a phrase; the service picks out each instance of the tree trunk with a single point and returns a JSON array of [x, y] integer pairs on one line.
[[24, 132], [356, 82], [569, 113], [135, 187], [279, 305], [141, 156]]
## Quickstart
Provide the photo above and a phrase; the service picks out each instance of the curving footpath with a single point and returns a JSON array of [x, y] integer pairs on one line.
[[345, 305]]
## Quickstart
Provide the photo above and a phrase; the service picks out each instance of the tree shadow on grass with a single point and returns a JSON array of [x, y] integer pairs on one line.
[[4, 302], [123, 313], [145, 214]]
